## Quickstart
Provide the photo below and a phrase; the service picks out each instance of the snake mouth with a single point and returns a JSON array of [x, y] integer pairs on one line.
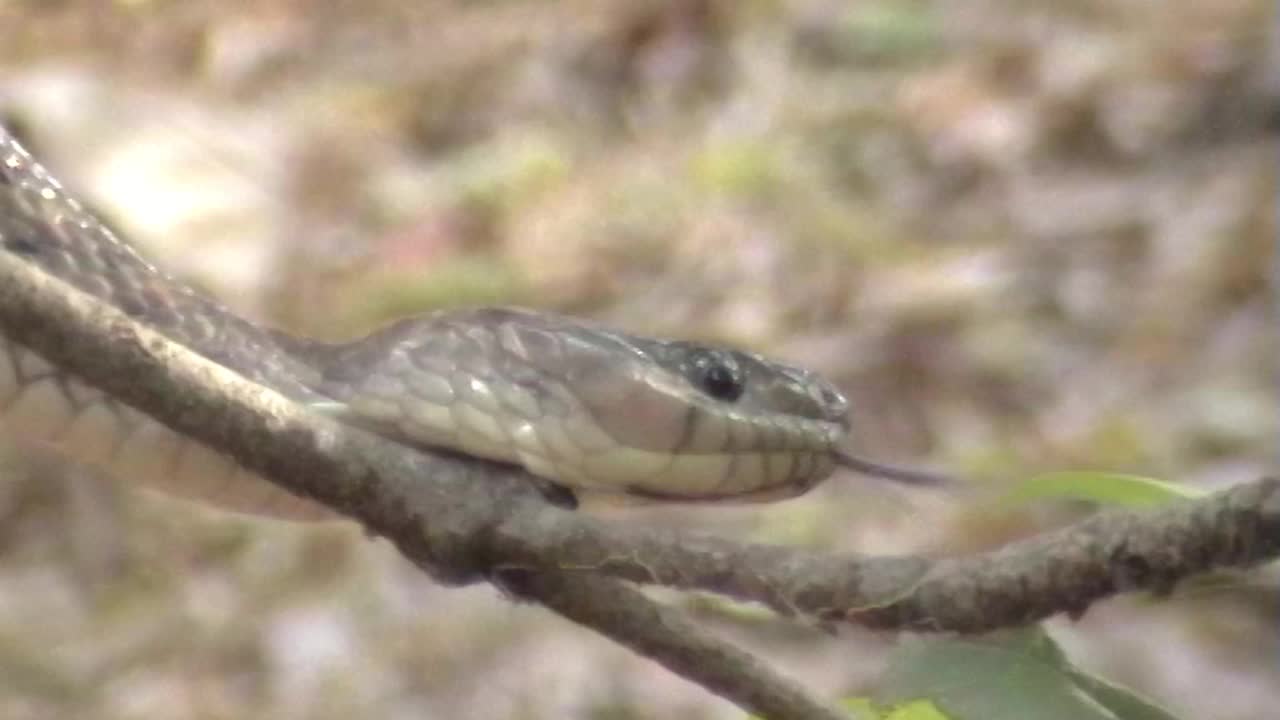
[[906, 476]]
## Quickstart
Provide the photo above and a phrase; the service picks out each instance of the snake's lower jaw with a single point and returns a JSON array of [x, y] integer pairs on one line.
[[706, 478], [751, 494]]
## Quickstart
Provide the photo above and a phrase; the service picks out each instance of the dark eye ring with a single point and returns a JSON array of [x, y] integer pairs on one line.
[[720, 380]]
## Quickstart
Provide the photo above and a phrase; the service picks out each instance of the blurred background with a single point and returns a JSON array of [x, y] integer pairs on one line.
[[1023, 236]]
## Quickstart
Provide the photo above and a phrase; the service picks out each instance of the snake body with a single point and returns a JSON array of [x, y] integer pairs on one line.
[[580, 405]]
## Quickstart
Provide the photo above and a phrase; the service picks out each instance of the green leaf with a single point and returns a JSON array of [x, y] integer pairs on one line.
[[1122, 701], [1005, 676], [860, 708], [1102, 487], [917, 710]]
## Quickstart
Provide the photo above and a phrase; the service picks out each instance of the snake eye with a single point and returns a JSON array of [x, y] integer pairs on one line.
[[718, 378]]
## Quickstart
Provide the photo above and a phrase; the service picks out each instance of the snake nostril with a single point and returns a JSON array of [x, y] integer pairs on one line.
[[833, 399], [834, 405]]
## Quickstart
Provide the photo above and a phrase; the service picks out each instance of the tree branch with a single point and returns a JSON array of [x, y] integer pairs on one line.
[[1063, 571]]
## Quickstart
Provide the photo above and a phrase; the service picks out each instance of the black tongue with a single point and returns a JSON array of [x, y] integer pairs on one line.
[[888, 472]]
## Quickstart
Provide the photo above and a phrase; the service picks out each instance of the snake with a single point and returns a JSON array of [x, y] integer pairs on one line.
[[581, 407]]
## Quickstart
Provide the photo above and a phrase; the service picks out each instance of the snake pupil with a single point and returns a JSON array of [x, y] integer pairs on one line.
[[719, 379]]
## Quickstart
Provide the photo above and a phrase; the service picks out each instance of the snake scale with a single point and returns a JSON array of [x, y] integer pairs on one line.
[[582, 406]]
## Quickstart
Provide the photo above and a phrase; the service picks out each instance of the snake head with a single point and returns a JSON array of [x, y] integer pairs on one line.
[[591, 408]]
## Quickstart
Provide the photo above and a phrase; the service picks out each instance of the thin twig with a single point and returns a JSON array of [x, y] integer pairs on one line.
[[1060, 572], [672, 639]]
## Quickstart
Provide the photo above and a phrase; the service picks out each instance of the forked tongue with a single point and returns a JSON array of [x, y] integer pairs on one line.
[[889, 472]]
